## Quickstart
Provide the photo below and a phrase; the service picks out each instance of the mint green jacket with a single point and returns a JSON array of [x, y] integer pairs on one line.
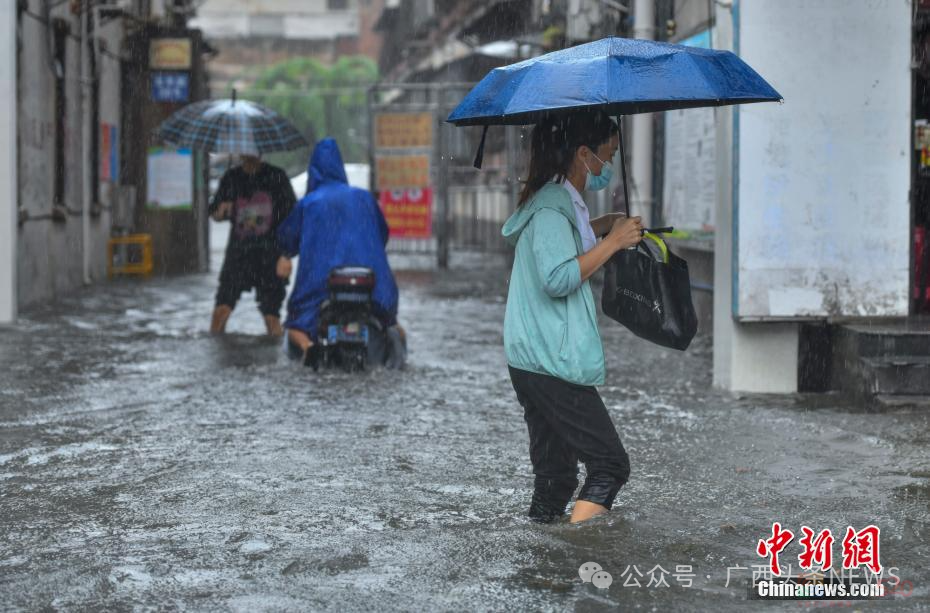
[[550, 325]]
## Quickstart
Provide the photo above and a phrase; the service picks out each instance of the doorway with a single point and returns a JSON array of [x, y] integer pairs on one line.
[[920, 160]]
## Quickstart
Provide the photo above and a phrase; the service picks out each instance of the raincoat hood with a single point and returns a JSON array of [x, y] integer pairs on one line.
[[334, 224], [550, 196], [325, 165]]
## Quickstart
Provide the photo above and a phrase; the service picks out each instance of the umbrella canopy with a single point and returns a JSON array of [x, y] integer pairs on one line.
[[231, 126], [621, 76]]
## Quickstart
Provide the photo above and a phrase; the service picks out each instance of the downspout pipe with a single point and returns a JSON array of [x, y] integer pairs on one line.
[[9, 230], [86, 111]]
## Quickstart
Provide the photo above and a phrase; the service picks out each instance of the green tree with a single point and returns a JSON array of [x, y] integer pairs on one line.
[[320, 101]]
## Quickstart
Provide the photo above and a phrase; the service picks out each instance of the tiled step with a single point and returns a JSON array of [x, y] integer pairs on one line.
[[896, 374], [891, 402], [883, 357], [881, 339]]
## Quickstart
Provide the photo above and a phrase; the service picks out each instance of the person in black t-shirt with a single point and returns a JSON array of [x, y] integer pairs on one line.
[[255, 197]]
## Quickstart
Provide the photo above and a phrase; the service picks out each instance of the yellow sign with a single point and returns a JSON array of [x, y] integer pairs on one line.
[[403, 130], [401, 171], [170, 53]]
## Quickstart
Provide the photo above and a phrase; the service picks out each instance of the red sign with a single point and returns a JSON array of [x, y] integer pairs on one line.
[[409, 212], [109, 153]]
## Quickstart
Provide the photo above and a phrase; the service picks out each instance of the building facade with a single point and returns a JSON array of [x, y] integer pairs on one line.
[[54, 255], [251, 34], [773, 200], [78, 179]]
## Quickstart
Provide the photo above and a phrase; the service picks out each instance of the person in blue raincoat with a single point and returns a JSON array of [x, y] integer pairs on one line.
[[333, 225]]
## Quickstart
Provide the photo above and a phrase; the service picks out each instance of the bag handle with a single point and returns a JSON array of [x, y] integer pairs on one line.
[[662, 230]]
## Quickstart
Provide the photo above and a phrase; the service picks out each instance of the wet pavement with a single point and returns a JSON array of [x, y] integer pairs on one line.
[[146, 465]]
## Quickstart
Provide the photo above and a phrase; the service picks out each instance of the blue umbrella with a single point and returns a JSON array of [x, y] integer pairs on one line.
[[230, 126], [618, 75], [621, 76]]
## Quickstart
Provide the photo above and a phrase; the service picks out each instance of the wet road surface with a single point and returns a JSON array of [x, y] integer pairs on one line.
[[147, 465]]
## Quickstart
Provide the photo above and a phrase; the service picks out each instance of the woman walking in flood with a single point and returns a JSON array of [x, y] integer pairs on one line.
[[551, 339]]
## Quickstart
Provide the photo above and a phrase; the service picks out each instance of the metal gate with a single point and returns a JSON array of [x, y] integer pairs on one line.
[[468, 206]]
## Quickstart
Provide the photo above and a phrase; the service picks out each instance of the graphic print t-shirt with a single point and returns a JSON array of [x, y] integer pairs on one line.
[[259, 203]]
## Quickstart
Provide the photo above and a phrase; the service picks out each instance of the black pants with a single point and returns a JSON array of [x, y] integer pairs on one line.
[[568, 423], [244, 269]]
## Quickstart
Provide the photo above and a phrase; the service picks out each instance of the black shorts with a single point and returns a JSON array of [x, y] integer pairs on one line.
[[243, 270]]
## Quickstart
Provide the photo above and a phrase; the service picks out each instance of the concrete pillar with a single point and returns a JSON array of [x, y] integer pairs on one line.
[[644, 19], [8, 186], [750, 357]]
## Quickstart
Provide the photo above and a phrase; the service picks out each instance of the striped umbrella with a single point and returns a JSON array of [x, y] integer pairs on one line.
[[230, 126]]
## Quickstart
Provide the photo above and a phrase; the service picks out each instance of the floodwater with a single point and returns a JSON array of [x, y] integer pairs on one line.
[[147, 465]]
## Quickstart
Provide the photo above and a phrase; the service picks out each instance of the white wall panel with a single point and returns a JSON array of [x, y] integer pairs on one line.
[[821, 207]]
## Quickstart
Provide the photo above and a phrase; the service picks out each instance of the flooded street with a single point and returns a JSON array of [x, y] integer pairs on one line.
[[147, 465]]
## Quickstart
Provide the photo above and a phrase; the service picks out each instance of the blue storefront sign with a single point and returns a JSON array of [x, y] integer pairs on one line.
[[170, 86]]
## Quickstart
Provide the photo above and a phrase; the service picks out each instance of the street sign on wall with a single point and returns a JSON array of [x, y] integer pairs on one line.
[[403, 148], [170, 54], [403, 130], [408, 212], [402, 171], [170, 86], [169, 181], [109, 153]]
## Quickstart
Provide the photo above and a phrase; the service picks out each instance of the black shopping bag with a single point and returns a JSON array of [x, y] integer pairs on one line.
[[650, 297]]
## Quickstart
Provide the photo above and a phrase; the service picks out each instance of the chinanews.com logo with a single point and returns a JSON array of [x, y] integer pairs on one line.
[[821, 577], [857, 575]]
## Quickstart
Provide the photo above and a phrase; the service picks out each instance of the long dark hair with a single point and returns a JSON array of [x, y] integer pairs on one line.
[[554, 142]]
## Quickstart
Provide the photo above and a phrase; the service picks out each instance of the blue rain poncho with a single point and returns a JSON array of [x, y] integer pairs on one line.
[[334, 225]]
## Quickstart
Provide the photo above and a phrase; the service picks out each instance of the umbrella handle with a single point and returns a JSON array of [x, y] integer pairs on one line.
[[479, 155]]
